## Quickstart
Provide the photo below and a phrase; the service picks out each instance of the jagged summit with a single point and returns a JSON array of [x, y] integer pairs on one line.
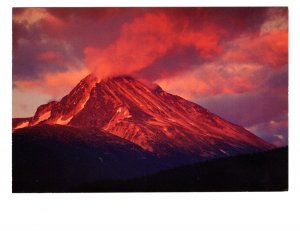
[[157, 121]]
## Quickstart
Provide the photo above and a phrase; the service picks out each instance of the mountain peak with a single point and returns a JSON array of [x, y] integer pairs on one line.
[[118, 78], [157, 89], [123, 78]]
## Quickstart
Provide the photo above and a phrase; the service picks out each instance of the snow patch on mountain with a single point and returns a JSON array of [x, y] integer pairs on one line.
[[43, 117], [62, 121], [22, 125]]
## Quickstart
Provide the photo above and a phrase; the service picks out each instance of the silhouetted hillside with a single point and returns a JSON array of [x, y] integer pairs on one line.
[[267, 171], [54, 158]]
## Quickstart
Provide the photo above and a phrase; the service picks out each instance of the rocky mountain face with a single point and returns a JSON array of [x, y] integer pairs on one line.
[[161, 123]]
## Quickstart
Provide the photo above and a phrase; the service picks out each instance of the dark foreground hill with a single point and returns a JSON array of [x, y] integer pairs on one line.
[[56, 158], [267, 171]]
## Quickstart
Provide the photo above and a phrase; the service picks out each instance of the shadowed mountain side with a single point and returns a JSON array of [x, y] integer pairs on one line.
[[267, 171]]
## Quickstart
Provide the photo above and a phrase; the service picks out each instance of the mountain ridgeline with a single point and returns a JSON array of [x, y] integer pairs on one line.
[[159, 122]]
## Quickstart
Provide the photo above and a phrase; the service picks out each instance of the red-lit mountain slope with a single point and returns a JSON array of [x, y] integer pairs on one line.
[[160, 122]]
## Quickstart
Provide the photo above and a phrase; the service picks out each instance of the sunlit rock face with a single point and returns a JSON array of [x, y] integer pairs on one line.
[[157, 121]]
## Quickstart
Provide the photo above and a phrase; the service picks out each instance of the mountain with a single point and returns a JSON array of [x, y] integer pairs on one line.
[[161, 123], [123, 130]]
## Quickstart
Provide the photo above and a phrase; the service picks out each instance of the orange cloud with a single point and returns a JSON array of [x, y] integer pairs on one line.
[[192, 85], [214, 78], [55, 84], [185, 86], [26, 84]]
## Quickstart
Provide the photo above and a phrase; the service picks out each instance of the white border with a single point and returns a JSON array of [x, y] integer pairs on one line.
[[165, 211]]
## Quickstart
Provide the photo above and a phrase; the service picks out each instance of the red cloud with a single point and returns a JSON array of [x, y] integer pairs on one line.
[[206, 40], [140, 43], [148, 38]]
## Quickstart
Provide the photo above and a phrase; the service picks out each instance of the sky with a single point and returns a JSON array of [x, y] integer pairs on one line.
[[232, 61]]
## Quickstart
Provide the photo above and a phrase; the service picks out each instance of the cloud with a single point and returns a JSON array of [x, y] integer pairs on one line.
[[64, 31], [250, 62], [270, 48], [215, 78], [54, 84], [171, 64], [137, 37], [148, 38], [275, 131], [25, 102], [277, 19], [139, 45], [78, 14], [29, 16], [49, 55], [206, 39], [237, 107], [34, 53]]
